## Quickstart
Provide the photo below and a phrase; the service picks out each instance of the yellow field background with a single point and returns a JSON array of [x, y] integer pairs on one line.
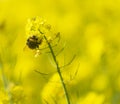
[[89, 28]]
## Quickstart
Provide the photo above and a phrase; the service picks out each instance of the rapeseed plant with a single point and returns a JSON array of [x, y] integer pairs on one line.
[[11, 91], [42, 36]]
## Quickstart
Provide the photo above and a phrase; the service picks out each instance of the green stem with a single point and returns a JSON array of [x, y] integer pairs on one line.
[[5, 82], [58, 70]]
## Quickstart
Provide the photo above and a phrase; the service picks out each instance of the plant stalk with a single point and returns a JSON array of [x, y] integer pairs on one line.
[[5, 82], [58, 70]]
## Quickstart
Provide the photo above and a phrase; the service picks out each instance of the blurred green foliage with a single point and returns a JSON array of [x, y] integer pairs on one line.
[[90, 29]]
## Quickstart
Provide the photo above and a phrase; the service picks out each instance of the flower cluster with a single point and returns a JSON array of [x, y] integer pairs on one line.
[[4, 99], [36, 29], [35, 26], [14, 94], [18, 95], [39, 27]]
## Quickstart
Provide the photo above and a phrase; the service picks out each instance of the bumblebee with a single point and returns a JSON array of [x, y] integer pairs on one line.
[[33, 42]]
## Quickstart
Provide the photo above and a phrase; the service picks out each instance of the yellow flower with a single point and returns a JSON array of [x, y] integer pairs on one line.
[[33, 26], [4, 99], [36, 29], [17, 94]]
